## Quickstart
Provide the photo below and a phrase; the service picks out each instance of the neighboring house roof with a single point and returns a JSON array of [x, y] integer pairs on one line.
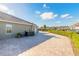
[[75, 26], [12, 19]]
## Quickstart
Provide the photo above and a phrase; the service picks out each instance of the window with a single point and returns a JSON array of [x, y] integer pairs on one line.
[[8, 28]]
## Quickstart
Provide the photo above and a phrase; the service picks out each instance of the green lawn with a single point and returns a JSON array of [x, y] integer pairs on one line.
[[72, 35]]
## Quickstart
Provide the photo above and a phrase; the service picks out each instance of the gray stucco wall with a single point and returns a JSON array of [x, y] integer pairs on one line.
[[15, 29], [1, 30]]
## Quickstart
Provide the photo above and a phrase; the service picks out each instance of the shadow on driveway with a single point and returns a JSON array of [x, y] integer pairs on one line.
[[15, 46]]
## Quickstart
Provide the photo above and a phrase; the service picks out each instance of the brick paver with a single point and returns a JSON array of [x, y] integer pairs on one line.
[[58, 46]]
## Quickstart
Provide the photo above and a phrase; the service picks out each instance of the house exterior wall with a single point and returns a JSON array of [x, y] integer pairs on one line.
[[1, 30], [15, 29], [75, 28], [35, 29]]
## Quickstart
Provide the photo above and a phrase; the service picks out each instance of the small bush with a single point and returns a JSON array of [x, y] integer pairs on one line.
[[18, 35]]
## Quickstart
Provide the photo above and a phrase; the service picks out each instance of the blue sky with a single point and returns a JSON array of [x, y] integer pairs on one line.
[[51, 14]]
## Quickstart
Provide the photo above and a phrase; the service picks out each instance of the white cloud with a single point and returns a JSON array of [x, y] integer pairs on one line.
[[48, 15], [45, 6], [70, 17], [55, 15], [66, 16], [5, 9]]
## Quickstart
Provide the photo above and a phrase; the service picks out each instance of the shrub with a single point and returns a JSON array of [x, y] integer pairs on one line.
[[18, 35]]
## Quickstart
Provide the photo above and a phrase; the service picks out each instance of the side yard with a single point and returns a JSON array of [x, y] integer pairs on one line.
[[72, 35], [54, 46], [43, 43]]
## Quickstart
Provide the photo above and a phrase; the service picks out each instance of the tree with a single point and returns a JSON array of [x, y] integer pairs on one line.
[[44, 26]]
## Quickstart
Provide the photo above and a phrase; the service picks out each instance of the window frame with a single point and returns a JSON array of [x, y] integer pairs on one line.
[[6, 26]]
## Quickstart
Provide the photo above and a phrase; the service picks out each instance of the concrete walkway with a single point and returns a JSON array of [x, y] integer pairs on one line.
[[41, 44], [54, 46]]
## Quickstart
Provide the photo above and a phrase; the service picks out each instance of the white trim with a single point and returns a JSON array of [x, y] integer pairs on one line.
[[8, 25], [14, 22]]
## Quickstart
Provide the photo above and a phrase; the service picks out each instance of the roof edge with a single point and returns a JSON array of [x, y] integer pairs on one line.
[[14, 22], [16, 17]]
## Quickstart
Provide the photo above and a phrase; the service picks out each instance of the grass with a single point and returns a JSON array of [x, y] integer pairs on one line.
[[72, 35]]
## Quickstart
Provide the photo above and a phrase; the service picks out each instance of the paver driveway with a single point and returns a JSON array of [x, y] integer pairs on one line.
[[16, 46], [41, 44], [55, 46]]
